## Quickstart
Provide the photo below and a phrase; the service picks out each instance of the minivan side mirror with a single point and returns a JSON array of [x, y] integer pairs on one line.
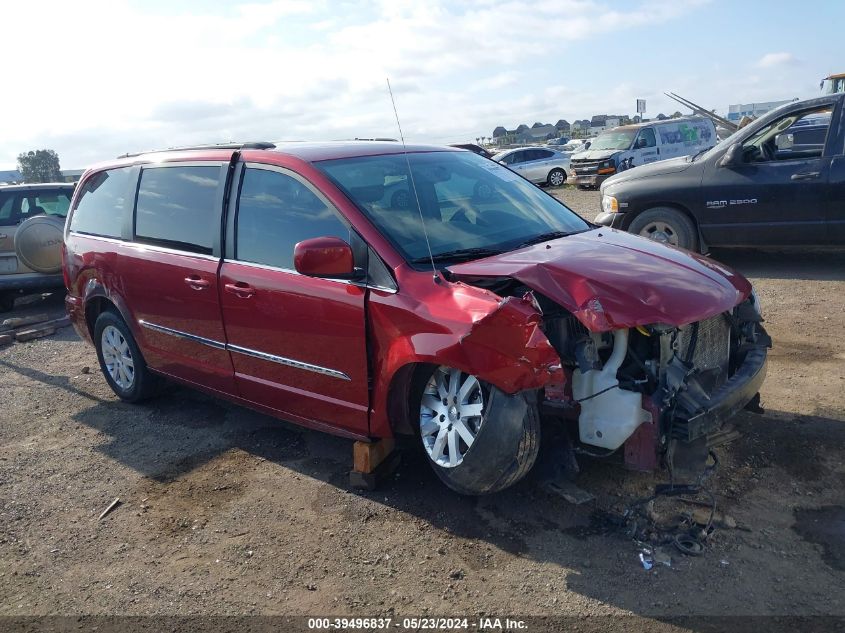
[[733, 156], [324, 257]]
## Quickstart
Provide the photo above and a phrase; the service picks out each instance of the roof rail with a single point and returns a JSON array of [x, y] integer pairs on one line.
[[250, 145]]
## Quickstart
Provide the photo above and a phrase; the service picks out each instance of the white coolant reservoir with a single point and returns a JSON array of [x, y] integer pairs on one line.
[[607, 419]]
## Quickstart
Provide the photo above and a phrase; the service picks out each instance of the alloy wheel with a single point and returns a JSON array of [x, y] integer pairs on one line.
[[451, 414], [660, 232], [117, 357]]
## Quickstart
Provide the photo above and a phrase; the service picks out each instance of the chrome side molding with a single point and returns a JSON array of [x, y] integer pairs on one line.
[[281, 360]]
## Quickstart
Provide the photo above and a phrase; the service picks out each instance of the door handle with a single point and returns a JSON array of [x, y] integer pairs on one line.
[[197, 283], [807, 175], [3, 236], [241, 289]]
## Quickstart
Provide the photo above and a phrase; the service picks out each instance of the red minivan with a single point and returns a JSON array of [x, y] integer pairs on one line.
[[370, 290]]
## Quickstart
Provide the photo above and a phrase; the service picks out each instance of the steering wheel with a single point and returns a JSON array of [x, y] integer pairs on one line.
[[460, 217], [767, 152]]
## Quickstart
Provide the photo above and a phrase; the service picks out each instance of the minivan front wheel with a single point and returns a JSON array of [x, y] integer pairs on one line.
[[120, 359], [666, 225], [478, 439]]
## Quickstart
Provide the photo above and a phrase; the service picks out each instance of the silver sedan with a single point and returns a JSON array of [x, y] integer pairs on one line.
[[540, 165]]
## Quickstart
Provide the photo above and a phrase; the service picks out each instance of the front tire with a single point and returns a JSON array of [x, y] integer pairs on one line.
[[120, 359], [478, 439], [556, 178], [670, 226]]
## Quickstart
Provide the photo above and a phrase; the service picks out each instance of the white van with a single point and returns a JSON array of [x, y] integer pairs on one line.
[[628, 146]]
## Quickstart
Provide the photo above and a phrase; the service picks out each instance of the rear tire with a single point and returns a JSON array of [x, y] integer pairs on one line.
[[504, 438], [670, 226], [556, 178], [120, 359], [38, 243]]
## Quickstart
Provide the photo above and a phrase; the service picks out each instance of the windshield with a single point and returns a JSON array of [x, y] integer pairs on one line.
[[614, 139], [469, 203]]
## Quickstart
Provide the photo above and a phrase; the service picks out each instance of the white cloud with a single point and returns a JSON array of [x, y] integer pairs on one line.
[[771, 60]]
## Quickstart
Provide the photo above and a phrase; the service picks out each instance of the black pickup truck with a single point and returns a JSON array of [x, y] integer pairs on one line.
[[779, 181]]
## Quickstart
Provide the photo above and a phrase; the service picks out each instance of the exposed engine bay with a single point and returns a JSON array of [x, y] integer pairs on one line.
[[656, 391]]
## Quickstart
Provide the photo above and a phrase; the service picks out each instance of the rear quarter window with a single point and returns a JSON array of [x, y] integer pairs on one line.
[[100, 206]]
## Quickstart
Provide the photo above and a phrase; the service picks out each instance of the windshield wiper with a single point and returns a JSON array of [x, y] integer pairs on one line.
[[697, 154], [458, 255], [545, 237]]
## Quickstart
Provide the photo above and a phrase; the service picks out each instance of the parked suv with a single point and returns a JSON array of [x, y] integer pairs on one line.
[[32, 219], [283, 279], [779, 181]]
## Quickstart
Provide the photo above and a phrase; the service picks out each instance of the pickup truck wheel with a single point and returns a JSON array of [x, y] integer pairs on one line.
[[478, 439], [120, 359], [666, 225], [556, 177]]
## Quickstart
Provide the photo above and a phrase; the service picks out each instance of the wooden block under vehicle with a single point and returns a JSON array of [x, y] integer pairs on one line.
[[366, 456], [5, 339], [28, 335], [371, 480], [14, 322]]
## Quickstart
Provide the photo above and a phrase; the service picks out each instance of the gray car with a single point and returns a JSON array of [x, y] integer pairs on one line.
[[540, 165]]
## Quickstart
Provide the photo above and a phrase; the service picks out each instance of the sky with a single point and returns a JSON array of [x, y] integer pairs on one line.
[[93, 79]]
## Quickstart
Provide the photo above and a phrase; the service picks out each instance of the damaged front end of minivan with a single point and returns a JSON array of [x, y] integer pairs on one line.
[[635, 382]]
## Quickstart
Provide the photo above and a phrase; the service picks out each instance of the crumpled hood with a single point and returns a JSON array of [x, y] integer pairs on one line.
[[668, 166], [611, 279]]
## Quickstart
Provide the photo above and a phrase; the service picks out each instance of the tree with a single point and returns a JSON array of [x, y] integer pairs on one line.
[[41, 165]]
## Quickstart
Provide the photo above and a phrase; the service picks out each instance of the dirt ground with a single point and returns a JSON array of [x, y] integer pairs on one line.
[[225, 511]]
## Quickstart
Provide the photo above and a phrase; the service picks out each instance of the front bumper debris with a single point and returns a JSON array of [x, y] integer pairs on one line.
[[726, 401]]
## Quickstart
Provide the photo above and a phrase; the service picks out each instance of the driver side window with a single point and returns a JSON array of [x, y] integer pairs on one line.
[[275, 211], [797, 135], [516, 158], [646, 138]]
